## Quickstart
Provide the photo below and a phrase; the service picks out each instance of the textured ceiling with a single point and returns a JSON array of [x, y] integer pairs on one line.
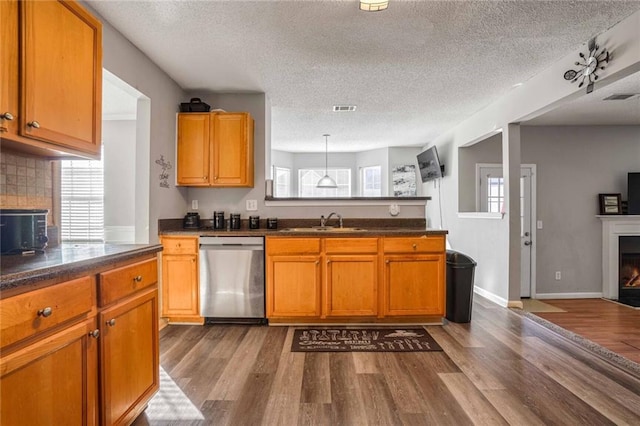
[[414, 70]]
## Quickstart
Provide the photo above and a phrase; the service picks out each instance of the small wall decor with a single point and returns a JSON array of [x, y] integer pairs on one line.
[[404, 180], [610, 203], [164, 175], [589, 66]]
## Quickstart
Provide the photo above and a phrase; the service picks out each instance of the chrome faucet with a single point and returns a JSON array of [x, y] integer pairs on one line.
[[324, 221]]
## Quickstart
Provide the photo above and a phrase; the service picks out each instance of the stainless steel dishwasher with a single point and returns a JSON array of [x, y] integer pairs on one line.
[[232, 279]]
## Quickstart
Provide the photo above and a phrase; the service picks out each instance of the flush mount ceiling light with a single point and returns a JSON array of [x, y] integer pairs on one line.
[[326, 181], [373, 5]]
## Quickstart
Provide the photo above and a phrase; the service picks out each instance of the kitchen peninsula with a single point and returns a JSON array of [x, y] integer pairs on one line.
[[368, 271], [79, 334]]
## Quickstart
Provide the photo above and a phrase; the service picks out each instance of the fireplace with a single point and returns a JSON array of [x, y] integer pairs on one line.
[[617, 230], [629, 269]]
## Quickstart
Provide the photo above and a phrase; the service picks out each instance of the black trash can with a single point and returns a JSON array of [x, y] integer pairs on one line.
[[459, 286]]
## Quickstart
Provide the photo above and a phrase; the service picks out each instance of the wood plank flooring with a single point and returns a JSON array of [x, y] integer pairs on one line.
[[502, 368], [609, 324]]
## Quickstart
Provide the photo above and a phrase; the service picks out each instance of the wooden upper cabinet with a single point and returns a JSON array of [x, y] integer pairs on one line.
[[215, 149], [9, 89], [52, 86], [193, 149]]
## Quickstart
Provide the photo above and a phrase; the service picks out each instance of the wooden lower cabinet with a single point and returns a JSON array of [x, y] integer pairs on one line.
[[52, 381], [294, 286], [413, 285], [351, 288], [130, 357], [180, 280], [349, 279]]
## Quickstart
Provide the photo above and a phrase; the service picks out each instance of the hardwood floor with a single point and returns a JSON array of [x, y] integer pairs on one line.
[[502, 368], [609, 324]]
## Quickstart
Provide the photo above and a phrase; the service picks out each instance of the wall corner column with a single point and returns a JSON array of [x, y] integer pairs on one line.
[[511, 173]]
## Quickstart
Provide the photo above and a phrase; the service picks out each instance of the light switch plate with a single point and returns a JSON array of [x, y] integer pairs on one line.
[[252, 205], [194, 204], [539, 224]]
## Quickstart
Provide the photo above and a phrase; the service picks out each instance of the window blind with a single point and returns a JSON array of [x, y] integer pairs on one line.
[[82, 200]]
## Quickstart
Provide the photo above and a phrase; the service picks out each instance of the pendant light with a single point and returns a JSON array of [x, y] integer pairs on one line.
[[326, 181]]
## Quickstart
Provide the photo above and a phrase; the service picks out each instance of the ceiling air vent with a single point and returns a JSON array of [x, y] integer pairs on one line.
[[620, 97], [344, 108]]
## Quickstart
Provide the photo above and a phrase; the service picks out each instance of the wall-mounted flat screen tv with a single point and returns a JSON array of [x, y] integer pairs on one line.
[[429, 165]]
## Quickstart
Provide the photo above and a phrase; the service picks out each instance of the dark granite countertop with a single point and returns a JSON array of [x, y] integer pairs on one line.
[[368, 227], [65, 259]]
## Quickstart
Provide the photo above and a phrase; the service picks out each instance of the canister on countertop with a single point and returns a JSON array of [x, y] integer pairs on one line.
[[254, 222], [218, 220], [235, 220], [272, 223]]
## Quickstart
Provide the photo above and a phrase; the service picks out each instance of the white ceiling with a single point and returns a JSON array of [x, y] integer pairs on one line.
[[414, 70]]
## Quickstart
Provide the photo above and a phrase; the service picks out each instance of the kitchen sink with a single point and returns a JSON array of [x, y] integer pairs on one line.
[[329, 229]]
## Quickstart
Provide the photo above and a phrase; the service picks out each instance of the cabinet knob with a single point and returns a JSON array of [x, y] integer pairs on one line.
[[328, 262], [317, 262], [34, 124], [137, 278], [111, 322], [387, 261], [415, 246], [95, 333], [7, 116], [46, 312]]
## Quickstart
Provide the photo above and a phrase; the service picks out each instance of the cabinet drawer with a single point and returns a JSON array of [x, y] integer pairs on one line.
[[414, 244], [118, 283], [180, 245], [293, 245], [351, 245], [26, 314]]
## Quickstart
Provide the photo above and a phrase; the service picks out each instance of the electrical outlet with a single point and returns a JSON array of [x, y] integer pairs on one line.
[[394, 210], [194, 204], [252, 205], [558, 275]]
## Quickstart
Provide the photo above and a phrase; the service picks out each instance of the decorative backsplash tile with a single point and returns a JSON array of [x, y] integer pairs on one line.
[[25, 182]]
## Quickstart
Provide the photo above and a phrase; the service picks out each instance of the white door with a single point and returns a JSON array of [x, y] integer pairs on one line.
[[490, 198]]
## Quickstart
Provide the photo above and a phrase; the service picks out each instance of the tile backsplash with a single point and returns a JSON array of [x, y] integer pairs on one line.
[[26, 182]]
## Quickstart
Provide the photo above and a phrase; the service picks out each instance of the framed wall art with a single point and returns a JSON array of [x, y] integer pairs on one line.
[[610, 203]]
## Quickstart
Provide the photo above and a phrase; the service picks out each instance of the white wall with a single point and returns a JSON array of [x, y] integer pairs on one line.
[[574, 165], [127, 62], [490, 241], [119, 142]]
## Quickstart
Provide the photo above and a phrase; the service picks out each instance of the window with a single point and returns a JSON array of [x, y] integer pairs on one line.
[[371, 181], [82, 200], [495, 194], [308, 179], [282, 183]]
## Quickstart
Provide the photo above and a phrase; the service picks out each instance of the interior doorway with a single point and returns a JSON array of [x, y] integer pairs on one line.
[[490, 198]]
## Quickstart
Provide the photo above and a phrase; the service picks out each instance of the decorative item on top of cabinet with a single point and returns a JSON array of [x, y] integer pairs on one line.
[[43, 42], [215, 149], [180, 289]]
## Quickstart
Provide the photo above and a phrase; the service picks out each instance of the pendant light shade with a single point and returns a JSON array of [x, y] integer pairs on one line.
[[326, 181]]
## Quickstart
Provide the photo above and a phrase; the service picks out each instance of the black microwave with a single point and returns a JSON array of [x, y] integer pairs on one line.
[[22, 230]]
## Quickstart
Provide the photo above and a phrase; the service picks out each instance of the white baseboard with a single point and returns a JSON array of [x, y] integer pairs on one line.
[[493, 297], [120, 234], [568, 295]]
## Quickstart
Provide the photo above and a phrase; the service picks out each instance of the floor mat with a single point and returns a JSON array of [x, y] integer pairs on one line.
[[353, 339], [535, 305]]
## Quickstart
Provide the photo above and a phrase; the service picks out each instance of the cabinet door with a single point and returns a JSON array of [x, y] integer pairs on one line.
[[232, 145], [129, 355], [52, 381], [293, 286], [61, 70], [414, 285], [180, 287], [193, 149], [351, 285], [9, 67]]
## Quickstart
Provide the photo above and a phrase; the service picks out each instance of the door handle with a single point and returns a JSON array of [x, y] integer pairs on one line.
[[528, 243]]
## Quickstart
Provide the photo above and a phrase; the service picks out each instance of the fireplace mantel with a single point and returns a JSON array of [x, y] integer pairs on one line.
[[614, 226]]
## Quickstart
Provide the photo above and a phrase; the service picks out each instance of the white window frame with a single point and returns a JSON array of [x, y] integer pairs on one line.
[[342, 176], [82, 200], [375, 189], [285, 192]]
